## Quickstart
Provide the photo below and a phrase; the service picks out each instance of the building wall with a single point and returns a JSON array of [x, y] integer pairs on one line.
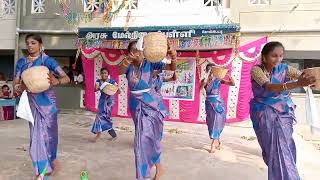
[[7, 37], [56, 33], [296, 23], [7, 33], [54, 41], [51, 19], [8, 28], [148, 13], [162, 13]]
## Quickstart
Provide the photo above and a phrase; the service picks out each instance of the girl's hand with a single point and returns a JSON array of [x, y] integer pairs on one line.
[[19, 88], [171, 52], [306, 80]]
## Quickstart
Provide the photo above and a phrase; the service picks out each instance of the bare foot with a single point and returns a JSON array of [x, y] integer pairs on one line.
[[112, 139], [40, 177], [212, 150], [56, 167], [159, 172], [95, 139], [217, 144]]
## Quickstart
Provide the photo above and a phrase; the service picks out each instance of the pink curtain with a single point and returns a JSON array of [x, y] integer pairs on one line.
[[94, 59]]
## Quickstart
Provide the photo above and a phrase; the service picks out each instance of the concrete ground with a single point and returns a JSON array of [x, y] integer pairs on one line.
[[185, 152]]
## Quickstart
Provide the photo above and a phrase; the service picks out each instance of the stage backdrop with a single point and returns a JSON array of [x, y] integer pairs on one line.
[[236, 97]]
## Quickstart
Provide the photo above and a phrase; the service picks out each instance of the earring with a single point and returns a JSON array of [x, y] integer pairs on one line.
[[41, 48]]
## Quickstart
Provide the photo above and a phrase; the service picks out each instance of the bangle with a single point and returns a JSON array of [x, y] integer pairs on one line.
[[125, 63]]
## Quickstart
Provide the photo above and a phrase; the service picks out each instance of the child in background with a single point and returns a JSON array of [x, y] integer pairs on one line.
[[7, 111]]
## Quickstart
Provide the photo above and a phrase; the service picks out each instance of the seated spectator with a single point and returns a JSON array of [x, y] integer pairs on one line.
[[77, 77], [5, 92], [7, 111]]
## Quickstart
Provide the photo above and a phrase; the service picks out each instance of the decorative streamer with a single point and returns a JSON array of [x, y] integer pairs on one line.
[[199, 43], [126, 27], [182, 110], [105, 8]]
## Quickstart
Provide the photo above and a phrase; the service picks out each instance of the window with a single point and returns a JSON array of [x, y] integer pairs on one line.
[[211, 3], [38, 6], [94, 5], [133, 5], [259, 2], [8, 7], [91, 5]]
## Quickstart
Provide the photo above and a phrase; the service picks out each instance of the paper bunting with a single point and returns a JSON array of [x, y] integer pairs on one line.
[[220, 41], [236, 98], [109, 9]]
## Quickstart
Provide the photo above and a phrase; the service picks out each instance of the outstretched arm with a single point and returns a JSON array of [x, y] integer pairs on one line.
[[259, 76]]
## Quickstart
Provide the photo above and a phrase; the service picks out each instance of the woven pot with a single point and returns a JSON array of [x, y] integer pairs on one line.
[[219, 72], [36, 79], [110, 89], [155, 46], [316, 73]]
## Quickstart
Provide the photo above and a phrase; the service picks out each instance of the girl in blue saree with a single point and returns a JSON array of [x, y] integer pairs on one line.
[[272, 111], [103, 121], [147, 109], [215, 108], [44, 132]]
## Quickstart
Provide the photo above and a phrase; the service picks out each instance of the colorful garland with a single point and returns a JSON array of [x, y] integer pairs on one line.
[[105, 8], [115, 13]]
